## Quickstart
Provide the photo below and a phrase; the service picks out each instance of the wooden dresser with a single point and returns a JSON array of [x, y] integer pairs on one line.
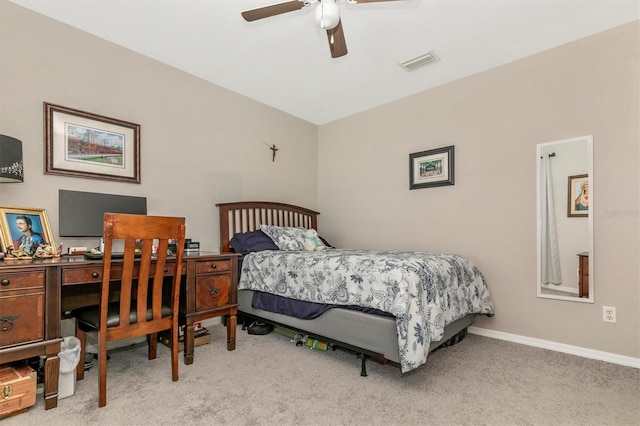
[[583, 274]]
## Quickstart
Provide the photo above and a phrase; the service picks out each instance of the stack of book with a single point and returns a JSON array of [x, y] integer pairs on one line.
[[201, 337]]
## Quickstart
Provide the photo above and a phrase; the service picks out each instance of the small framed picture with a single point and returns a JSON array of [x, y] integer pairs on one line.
[[434, 167], [26, 233], [578, 198], [82, 144]]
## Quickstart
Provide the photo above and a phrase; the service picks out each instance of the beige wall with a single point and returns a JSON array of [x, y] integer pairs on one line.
[[495, 119], [200, 144]]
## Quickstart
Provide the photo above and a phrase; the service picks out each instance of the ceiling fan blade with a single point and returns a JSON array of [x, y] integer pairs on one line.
[[337, 43], [274, 9], [372, 1]]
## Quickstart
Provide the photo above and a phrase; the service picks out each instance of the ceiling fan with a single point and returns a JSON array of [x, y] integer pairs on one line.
[[327, 16]]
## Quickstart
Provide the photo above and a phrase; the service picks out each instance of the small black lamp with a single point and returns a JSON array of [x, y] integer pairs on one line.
[[10, 160]]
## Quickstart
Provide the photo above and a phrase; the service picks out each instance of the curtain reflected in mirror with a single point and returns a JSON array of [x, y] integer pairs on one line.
[[564, 220]]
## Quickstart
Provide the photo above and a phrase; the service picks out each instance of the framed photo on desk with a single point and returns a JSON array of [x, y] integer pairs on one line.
[[24, 229]]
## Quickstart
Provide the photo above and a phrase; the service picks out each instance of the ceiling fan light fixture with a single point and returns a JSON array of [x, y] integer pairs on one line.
[[327, 14]]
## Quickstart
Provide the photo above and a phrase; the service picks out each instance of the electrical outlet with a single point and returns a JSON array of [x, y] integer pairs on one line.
[[609, 314]]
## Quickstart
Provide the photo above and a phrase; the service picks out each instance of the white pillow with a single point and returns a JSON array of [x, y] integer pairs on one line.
[[285, 237]]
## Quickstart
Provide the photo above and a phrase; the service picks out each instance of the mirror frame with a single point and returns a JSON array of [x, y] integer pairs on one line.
[[539, 152]]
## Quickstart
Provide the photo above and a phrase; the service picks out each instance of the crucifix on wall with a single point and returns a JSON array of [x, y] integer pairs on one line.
[[274, 149]]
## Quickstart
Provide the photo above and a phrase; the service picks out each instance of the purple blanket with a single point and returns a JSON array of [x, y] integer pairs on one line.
[[301, 309]]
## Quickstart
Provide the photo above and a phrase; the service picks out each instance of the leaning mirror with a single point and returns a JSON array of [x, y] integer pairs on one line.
[[565, 219]]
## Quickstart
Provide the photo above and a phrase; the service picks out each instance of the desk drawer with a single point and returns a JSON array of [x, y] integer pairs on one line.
[[18, 280], [209, 266], [87, 275], [94, 274], [212, 291], [21, 318]]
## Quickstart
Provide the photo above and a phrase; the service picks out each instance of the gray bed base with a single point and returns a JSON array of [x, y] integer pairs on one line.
[[366, 334]]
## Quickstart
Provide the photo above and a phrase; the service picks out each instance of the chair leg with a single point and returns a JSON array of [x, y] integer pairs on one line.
[[152, 341], [82, 336], [174, 353], [102, 362]]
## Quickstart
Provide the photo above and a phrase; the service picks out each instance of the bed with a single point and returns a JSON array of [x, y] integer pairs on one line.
[[390, 306]]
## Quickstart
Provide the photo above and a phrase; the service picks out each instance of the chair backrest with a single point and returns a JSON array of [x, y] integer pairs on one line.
[[144, 265]]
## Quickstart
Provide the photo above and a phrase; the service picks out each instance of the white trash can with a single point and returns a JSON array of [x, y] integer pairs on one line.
[[69, 357]]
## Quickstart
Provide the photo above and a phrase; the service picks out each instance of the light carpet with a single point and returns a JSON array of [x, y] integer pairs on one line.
[[268, 380]]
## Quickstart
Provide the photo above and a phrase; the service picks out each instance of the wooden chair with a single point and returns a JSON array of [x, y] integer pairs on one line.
[[136, 307]]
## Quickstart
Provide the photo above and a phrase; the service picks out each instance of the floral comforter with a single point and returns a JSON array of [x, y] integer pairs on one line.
[[424, 291]]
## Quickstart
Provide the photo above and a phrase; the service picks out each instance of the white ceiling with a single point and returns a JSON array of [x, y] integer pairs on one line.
[[284, 61]]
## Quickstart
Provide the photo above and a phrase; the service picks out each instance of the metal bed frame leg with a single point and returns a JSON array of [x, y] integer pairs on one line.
[[244, 322], [363, 367]]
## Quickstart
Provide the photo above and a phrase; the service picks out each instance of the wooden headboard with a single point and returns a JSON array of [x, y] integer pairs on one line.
[[245, 216]]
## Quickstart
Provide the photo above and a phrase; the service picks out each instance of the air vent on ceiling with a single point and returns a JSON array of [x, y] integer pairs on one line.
[[419, 61]]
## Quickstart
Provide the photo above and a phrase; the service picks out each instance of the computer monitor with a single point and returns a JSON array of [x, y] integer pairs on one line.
[[81, 214]]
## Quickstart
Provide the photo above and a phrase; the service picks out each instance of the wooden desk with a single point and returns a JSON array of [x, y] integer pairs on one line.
[[34, 294]]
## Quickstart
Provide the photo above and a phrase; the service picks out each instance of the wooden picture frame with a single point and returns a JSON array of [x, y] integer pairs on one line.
[[434, 167], [578, 196], [82, 144], [24, 229]]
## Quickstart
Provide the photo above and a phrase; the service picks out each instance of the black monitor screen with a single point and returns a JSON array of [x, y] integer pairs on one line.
[[81, 214]]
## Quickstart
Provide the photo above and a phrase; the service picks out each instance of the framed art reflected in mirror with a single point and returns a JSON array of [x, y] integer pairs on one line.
[[578, 196]]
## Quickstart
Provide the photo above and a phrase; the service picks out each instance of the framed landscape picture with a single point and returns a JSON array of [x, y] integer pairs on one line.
[[88, 145], [430, 168]]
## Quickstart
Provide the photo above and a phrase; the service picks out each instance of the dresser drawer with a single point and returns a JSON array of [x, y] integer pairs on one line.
[[212, 291], [208, 266], [21, 318], [19, 280]]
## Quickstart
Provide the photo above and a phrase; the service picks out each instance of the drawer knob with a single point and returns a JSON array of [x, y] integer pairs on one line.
[[95, 275], [8, 320], [214, 292], [214, 266], [5, 282]]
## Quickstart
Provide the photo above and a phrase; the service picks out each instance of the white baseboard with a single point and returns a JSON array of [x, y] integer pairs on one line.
[[559, 347]]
